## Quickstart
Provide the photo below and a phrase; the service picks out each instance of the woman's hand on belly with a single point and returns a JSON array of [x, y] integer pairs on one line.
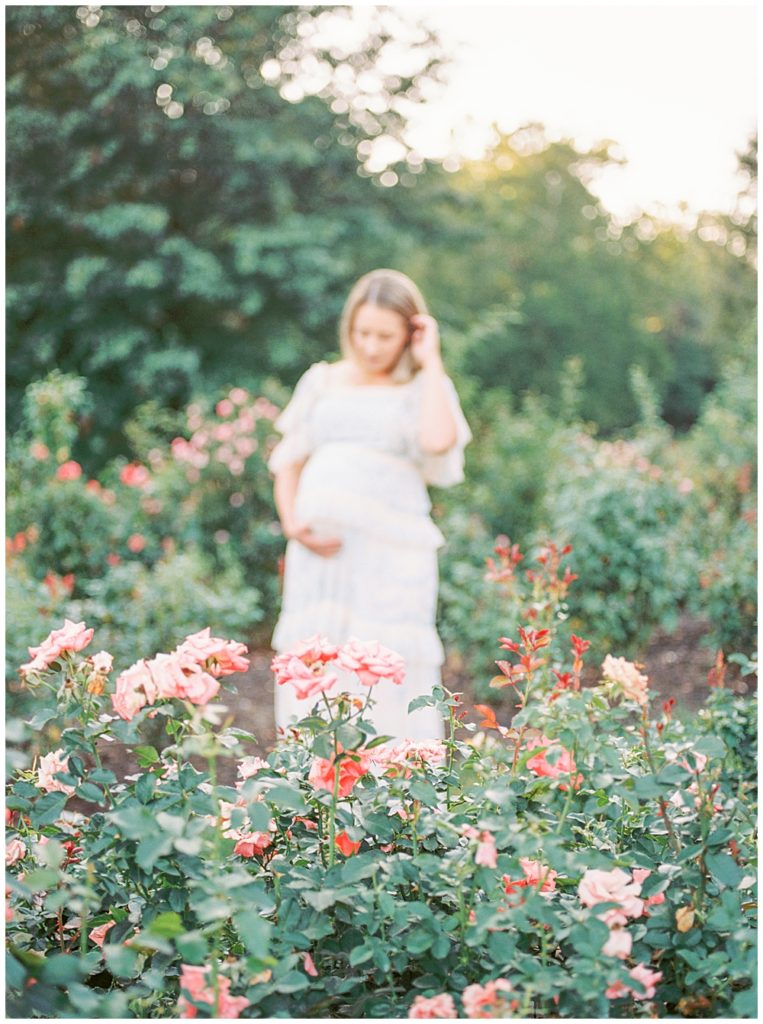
[[320, 544]]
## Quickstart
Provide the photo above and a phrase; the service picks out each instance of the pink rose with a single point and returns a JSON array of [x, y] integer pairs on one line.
[[307, 680], [70, 470], [134, 475], [39, 451], [167, 675], [72, 636], [48, 767], [480, 1000], [641, 973], [536, 874], [351, 768], [226, 655], [249, 766], [135, 688], [14, 852], [98, 934], [486, 852], [136, 542], [224, 407], [200, 687], [625, 675], [441, 1006], [618, 944], [309, 966], [198, 984], [613, 886], [648, 978], [253, 844], [238, 395], [371, 662]]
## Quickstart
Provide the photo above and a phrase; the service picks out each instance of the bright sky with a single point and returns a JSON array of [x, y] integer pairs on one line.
[[675, 86]]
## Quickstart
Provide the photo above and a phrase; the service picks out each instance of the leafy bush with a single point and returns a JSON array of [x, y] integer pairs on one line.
[[628, 522], [348, 877]]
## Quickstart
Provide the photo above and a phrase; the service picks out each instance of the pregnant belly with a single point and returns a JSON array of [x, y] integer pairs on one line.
[[349, 486]]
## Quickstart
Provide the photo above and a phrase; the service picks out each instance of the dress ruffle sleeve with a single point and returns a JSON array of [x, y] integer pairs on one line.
[[447, 468], [294, 421]]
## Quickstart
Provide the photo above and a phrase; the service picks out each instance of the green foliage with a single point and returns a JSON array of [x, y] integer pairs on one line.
[[471, 861], [204, 226]]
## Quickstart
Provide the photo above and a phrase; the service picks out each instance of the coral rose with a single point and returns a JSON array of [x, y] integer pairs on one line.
[[371, 662], [227, 656], [134, 475], [323, 772], [135, 688], [253, 844], [309, 966], [345, 845], [538, 875], [539, 764], [640, 973], [98, 934], [436, 1007], [486, 854], [480, 1000]]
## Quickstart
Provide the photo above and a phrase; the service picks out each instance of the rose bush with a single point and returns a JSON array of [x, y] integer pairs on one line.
[[593, 858]]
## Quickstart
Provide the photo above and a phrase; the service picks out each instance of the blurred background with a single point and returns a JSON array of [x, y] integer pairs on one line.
[[191, 191]]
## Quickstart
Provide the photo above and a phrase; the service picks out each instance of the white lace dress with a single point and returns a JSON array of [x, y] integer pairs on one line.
[[365, 481]]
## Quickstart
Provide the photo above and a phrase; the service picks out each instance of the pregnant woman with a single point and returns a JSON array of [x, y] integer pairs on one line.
[[362, 437]]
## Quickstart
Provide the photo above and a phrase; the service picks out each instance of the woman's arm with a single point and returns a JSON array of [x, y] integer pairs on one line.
[[285, 494], [437, 430]]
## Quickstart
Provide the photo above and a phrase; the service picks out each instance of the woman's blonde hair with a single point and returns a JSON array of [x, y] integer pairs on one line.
[[388, 289]]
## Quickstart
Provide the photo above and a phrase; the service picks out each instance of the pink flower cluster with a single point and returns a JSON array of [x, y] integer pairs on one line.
[[305, 667], [437, 1007], [72, 636], [197, 983], [230, 441], [626, 676], [486, 854], [190, 672], [399, 758]]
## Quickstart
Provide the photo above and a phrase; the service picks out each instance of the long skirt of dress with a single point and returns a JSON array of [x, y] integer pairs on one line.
[[377, 587]]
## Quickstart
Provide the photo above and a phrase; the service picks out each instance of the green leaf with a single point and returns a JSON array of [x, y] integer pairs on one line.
[[134, 821], [349, 736], [120, 960], [418, 941], [43, 716], [15, 975], [286, 799], [146, 756], [255, 931], [421, 702], [745, 1003], [48, 809], [425, 792], [166, 926], [151, 848], [61, 969], [90, 792], [724, 869], [293, 981], [321, 900], [360, 954], [259, 816], [193, 947]]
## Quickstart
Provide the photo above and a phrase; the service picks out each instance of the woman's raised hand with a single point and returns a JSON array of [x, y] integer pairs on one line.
[[425, 340], [326, 547]]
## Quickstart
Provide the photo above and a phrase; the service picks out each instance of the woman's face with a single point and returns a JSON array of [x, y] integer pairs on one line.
[[378, 337]]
